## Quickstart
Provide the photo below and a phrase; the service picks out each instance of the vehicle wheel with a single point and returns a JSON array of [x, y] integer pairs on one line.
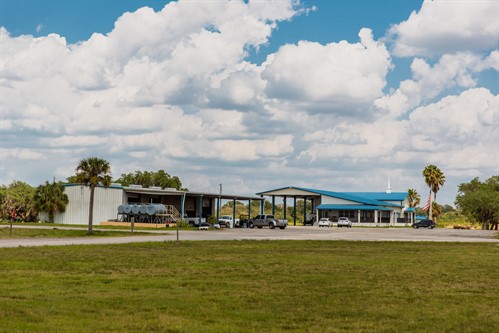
[[417, 227], [251, 225], [191, 224], [282, 228], [271, 225]]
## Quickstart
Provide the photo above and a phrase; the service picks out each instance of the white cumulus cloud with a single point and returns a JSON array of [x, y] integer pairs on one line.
[[443, 26]]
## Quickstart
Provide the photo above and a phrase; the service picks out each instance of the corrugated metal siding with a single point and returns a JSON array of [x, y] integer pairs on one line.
[[106, 202]]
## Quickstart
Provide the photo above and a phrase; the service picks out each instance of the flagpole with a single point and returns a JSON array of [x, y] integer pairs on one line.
[[430, 216]]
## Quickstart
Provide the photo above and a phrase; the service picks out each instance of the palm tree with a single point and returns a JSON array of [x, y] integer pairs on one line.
[[51, 198], [93, 171], [434, 178], [413, 197]]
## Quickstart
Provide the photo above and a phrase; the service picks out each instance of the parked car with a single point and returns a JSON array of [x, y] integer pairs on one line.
[[424, 224], [325, 222], [344, 222], [267, 220]]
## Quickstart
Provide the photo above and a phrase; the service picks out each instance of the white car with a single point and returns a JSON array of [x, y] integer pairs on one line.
[[344, 222], [325, 222]]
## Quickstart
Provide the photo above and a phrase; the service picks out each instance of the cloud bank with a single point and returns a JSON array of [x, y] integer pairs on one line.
[[175, 90]]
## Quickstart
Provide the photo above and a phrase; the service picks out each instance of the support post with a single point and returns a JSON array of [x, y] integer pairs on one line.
[[233, 213], [218, 208], [294, 211], [284, 208], [304, 210], [249, 212], [273, 205], [261, 207], [200, 208]]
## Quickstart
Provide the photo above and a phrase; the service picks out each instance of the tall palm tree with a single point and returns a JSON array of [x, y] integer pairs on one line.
[[93, 171], [434, 178], [413, 197], [51, 198]]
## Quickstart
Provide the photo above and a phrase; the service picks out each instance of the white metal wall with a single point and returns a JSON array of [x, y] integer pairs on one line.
[[336, 201], [106, 202]]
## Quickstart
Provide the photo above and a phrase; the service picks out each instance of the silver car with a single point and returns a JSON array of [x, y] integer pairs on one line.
[[344, 222]]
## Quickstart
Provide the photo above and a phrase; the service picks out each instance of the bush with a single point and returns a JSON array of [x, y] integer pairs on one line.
[[456, 220], [183, 224], [212, 219]]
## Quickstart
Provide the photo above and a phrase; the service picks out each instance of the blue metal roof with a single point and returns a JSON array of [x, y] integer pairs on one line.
[[366, 198], [351, 196], [381, 196], [351, 207]]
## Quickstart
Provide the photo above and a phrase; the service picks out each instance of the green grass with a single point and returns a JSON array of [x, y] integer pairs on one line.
[[61, 233], [251, 286]]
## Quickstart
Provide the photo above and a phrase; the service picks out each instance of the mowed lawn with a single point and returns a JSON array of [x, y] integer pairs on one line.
[[251, 286], [5, 233]]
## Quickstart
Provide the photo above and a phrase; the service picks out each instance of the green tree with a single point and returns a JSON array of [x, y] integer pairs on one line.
[[447, 208], [436, 209], [148, 178], [413, 197], [480, 201], [51, 198], [18, 196], [93, 171], [435, 179]]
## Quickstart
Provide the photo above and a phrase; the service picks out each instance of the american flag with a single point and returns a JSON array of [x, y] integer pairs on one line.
[[427, 206]]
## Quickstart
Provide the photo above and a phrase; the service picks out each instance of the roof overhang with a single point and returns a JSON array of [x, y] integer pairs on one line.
[[171, 192], [351, 207]]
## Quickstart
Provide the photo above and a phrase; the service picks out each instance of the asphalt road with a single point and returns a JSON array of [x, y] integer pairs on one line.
[[290, 233]]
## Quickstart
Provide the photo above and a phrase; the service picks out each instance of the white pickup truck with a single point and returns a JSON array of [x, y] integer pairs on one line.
[[226, 221]]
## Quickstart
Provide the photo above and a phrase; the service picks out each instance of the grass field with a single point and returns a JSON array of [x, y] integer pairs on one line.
[[60, 233], [251, 286]]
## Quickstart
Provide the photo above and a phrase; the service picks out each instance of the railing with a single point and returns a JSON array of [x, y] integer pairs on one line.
[[173, 212]]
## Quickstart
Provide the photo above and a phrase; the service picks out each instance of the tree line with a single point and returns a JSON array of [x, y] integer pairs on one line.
[[477, 200], [21, 202]]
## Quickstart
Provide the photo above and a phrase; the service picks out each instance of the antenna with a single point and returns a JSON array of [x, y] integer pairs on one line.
[[389, 189]]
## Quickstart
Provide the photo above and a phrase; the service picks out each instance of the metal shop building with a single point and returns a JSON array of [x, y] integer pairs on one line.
[[108, 200], [362, 208]]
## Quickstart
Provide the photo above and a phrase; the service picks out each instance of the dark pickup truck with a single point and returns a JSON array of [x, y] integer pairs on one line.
[[261, 221]]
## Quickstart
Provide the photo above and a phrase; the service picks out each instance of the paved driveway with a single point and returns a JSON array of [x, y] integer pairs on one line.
[[290, 233]]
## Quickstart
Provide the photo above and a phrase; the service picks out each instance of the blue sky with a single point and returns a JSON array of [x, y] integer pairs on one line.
[[336, 95]]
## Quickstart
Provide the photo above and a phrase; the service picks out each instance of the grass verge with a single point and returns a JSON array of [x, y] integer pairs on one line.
[[62, 233], [251, 286]]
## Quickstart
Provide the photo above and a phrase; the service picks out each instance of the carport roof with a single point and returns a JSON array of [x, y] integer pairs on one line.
[[159, 191]]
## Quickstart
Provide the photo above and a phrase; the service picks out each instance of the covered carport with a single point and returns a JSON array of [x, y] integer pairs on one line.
[[234, 199], [294, 193], [188, 203]]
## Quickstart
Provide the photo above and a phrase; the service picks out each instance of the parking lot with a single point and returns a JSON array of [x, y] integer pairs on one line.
[[290, 233]]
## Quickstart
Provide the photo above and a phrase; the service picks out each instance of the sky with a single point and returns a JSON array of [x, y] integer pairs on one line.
[[255, 95]]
